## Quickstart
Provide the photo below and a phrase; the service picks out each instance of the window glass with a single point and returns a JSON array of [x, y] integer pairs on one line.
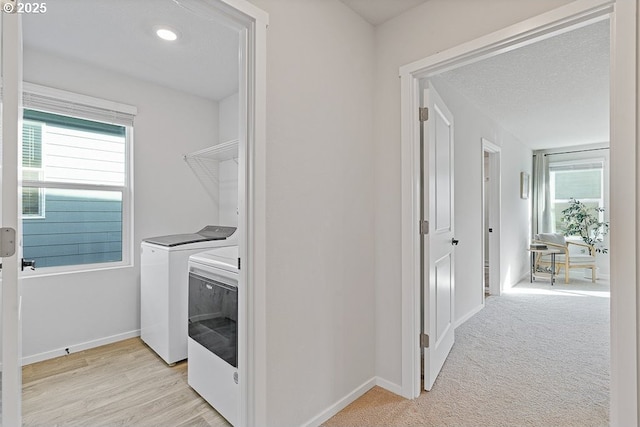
[[32, 145], [581, 181], [83, 157], [579, 184], [32, 201], [80, 227]]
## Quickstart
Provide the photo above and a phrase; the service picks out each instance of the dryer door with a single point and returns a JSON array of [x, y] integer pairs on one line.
[[213, 315]]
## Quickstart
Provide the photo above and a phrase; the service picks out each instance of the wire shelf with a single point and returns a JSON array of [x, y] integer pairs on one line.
[[205, 164]]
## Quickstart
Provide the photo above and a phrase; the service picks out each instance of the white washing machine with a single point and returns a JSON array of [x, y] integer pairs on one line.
[[164, 287], [213, 330]]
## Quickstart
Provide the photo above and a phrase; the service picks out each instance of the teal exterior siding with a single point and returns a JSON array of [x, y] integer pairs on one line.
[[74, 231]]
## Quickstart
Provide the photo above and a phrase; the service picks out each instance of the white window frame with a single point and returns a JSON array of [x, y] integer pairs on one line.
[[89, 108]]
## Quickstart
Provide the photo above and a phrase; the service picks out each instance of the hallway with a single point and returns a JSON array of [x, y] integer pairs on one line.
[[536, 356]]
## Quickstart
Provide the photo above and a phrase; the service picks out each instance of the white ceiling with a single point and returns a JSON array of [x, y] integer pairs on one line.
[[553, 92], [378, 11], [119, 35]]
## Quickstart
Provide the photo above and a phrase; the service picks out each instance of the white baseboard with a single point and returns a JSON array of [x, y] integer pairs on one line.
[[469, 315], [525, 276], [352, 397], [389, 386], [341, 404], [27, 360]]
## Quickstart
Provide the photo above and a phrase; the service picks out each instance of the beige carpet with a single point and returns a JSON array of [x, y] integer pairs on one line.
[[537, 356]]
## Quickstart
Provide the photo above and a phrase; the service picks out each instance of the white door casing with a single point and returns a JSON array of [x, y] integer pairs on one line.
[[11, 286], [251, 22], [439, 244]]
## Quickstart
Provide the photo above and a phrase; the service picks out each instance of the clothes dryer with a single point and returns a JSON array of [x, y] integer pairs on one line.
[[213, 330]]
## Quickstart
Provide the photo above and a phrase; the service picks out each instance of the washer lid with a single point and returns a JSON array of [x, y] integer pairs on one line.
[[225, 258], [208, 233]]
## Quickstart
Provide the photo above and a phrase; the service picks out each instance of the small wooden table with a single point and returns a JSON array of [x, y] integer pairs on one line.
[[543, 251]]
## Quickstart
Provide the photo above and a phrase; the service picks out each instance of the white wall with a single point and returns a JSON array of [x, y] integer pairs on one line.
[[319, 207], [79, 308], [228, 192], [228, 187], [516, 213], [228, 113], [422, 31]]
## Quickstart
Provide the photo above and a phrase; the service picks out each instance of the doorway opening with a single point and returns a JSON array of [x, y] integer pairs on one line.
[[485, 223], [175, 116], [491, 211], [623, 327]]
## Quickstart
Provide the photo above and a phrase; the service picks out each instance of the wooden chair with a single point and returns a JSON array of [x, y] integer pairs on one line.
[[567, 259]]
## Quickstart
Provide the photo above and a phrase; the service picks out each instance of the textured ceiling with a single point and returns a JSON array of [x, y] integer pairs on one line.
[[551, 93], [378, 11], [119, 35]]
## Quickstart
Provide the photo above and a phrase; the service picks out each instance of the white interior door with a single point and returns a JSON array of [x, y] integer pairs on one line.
[[439, 244], [11, 69]]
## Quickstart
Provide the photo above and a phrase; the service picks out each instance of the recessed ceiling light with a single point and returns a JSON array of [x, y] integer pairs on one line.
[[166, 34]]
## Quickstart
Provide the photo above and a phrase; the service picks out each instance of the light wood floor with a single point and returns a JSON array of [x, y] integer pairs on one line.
[[120, 384]]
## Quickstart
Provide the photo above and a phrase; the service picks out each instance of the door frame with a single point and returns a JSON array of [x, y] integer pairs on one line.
[[252, 23], [495, 277], [11, 281], [624, 192]]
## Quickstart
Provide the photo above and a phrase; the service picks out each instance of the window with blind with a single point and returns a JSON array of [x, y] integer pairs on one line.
[[76, 191], [581, 180]]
